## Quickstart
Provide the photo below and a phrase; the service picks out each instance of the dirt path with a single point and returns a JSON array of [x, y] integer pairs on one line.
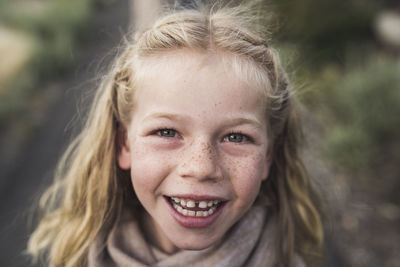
[[30, 172]]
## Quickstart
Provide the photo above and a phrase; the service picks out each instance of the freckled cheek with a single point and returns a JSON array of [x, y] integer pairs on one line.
[[149, 167], [234, 150], [246, 177]]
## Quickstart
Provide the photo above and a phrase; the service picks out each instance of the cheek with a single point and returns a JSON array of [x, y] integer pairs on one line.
[[246, 176], [148, 168]]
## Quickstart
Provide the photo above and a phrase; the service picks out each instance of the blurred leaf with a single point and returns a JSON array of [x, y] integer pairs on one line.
[[324, 29], [364, 104]]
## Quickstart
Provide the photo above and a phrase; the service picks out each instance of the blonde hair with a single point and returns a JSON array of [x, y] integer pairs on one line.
[[90, 189]]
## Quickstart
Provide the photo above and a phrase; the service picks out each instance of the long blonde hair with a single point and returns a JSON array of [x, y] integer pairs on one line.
[[90, 189]]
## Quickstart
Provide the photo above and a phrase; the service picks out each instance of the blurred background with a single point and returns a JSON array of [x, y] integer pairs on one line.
[[343, 56]]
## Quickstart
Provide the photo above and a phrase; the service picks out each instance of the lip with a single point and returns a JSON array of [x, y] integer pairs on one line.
[[195, 222]]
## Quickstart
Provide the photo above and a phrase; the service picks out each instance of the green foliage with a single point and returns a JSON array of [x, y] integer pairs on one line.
[[55, 26], [364, 107], [53, 23], [324, 29], [356, 95]]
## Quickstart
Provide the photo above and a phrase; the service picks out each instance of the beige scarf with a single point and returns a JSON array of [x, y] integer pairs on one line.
[[249, 243]]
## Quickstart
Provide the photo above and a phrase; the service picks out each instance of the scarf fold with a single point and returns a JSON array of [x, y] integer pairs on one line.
[[251, 242]]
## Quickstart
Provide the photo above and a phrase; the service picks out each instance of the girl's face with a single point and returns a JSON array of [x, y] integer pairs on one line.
[[197, 149]]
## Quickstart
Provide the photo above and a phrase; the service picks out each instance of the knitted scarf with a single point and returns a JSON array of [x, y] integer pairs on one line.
[[248, 243]]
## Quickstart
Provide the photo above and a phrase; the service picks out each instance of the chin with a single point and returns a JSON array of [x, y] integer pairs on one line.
[[195, 244]]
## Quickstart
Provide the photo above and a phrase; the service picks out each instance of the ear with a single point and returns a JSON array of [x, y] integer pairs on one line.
[[124, 153]]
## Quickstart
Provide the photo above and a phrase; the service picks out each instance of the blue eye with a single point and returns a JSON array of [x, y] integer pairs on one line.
[[236, 138], [166, 133]]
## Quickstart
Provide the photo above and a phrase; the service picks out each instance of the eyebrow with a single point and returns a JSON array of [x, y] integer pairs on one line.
[[161, 115], [230, 121], [240, 121]]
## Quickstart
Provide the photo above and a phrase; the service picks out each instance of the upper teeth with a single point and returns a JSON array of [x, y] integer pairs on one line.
[[192, 213], [191, 204]]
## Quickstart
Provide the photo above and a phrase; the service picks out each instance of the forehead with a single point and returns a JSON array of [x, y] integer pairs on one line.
[[178, 63], [200, 85]]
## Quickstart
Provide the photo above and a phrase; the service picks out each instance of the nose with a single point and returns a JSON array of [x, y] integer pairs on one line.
[[200, 161]]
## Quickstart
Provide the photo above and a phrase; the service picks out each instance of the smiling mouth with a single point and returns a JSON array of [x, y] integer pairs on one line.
[[194, 208]]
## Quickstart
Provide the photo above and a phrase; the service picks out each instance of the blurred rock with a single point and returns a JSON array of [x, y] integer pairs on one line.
[[16, 49], [389, 211], [144, 12], [387, 26]]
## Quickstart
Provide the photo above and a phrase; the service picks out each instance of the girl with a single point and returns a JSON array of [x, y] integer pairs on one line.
[[190, 157]]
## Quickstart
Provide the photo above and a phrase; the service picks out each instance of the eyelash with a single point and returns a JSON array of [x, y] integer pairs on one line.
[[245, 138]]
